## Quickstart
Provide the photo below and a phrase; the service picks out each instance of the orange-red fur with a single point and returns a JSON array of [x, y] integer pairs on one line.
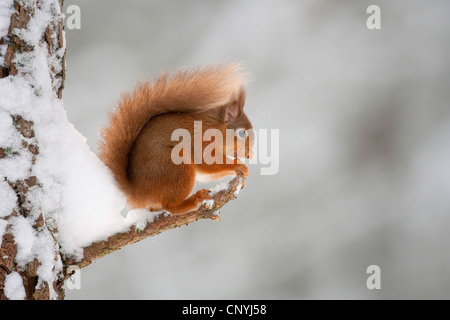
[[137, 142]]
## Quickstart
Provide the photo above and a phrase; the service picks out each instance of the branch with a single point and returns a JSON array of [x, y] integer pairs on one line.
[[160, 224]]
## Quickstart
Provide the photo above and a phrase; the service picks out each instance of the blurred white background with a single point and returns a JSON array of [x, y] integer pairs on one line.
[[364, 121]]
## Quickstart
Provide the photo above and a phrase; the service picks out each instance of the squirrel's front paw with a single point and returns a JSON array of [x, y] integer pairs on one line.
[[202, 195], [241, 170]]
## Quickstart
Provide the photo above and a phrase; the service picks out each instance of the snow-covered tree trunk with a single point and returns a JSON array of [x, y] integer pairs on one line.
[[32, 53]]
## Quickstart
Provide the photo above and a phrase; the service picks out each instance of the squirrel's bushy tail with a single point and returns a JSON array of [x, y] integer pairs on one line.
[[187, 90]]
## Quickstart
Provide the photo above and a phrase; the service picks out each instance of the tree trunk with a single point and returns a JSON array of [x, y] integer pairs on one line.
[[27, 273]]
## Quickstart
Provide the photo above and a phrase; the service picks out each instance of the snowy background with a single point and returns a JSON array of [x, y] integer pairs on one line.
[[364, 121]]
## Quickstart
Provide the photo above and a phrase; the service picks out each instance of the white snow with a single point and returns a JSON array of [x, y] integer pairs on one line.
[[14, 289], [24, 237], [16, 167], [36, 26], [3, 224], [140, 218], [6, 10], [209, 203], [238, 188], [8, 197], [6, 126], [220, 187]]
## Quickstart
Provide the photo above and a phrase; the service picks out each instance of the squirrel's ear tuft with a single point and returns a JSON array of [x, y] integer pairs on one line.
[[240, 99], [232, 110]]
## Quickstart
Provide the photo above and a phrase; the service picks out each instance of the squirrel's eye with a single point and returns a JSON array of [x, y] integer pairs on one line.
[[242, 133]]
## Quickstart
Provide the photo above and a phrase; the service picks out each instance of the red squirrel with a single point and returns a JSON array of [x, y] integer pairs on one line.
[[137, 143]]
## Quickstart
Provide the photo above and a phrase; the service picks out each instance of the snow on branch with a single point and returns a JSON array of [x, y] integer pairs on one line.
[[160, 223]]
